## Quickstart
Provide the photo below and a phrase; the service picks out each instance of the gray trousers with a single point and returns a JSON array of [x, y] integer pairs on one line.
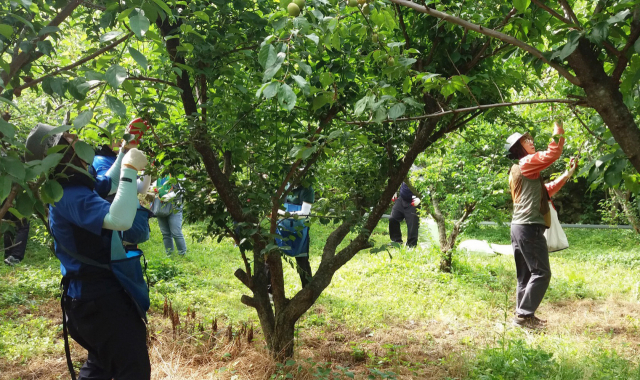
[[532, 266]]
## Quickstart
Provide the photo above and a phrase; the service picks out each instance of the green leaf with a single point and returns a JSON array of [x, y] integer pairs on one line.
[[267, 56], [620, 16], [5, 187], [313, 38], [50, 161], [53, 189], [600, 32], [286, 97], [361, 105], [22, 20], [397, 110], [139, 58], [8, 130], [139, 25], [48, 30], [110, 36], [9, 102], [116, 106], [273, 69], [6, 30], [13, 167], [302, 83], [521, 5], [322, 99], [82, 119], [326, 79], [571, 45], [45, 47], [115, 75], [24, 204], [84, 151], [163, 6], [271, 90], [60, 129], [613, 174], [201, 15], [58, 85]]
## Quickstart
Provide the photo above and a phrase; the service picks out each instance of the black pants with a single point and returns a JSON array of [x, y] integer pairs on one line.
[[532, 266], [404, 210], [18, 243], [114, 335]]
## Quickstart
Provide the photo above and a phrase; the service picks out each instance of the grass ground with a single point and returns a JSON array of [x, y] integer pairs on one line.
[[386, 315]]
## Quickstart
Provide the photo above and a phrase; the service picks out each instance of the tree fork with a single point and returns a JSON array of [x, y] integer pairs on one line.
[[604, 95]]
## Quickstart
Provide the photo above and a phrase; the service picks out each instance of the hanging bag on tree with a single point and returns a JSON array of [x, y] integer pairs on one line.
[[556, 238]]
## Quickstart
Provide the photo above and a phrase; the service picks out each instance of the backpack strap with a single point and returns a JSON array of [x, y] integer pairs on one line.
[[64, 284]]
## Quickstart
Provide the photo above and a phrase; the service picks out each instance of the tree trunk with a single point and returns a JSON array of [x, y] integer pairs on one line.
[[605, 97], [623, 200], [447, 261]]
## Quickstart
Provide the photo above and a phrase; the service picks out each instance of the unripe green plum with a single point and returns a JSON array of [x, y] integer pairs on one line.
[[391, 61], [300, 3], [366, 9], [353, 3], [294, 9], [374, 38]]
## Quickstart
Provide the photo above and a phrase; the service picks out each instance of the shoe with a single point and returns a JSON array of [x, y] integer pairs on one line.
[[530, 321], [11, 261]]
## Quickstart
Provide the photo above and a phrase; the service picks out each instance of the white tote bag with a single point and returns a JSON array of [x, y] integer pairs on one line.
[[556, 238]]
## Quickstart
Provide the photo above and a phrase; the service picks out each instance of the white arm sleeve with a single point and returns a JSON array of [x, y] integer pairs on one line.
[[114, 172], [124, 206], [305, 211], [143, 186]]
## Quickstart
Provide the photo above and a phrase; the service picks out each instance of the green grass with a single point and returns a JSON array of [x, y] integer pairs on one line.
[[375, 293]]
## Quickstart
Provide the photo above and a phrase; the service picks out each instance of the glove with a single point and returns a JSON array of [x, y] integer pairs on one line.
[[415, 201], [394, 198], [135, 158]]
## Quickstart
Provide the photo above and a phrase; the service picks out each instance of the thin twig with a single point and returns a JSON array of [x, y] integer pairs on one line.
[[461, 110]]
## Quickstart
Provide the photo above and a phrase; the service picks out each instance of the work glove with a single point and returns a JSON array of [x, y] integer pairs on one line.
[[394, 198], [415, 201], [135, 158]]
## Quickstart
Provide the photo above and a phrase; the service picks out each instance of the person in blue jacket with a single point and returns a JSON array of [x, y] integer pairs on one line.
[[105, 298], [294, 229]]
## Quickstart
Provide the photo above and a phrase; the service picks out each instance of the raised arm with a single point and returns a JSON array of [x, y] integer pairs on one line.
[[123, 209], [533, 164]]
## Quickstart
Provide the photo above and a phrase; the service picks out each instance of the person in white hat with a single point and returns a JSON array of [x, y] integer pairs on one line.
[[531, 217]]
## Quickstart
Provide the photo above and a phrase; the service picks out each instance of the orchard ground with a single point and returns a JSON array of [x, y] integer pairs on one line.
[[386, 315]]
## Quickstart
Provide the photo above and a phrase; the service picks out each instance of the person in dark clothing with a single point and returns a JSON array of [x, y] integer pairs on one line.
[[15, 245], [105, 298], [404, 208]]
